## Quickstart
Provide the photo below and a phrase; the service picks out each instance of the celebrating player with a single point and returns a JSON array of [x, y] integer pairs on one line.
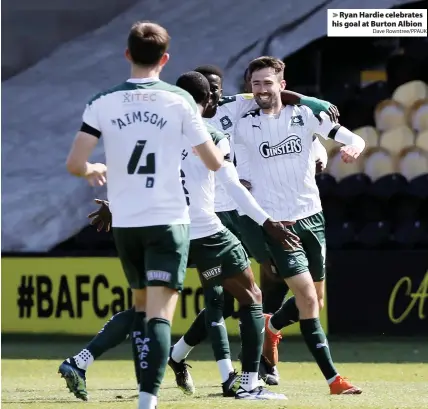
[[277, 141], [223, 113], [145, 123]]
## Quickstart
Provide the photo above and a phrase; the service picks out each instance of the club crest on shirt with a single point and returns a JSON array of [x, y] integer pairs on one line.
[[226, 123], [292, 144], [297, 120]]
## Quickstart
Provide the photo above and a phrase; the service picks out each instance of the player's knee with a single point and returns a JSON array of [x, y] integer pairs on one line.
[[254, 296], [308, 305]]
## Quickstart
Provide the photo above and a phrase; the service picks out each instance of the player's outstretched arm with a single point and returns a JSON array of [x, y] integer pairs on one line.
[[314, 104], [354, 144], [228, 177]]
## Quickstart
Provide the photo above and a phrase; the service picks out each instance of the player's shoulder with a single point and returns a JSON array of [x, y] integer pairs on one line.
[[234, 98], [174, 91], [216, 135], [122, 87]]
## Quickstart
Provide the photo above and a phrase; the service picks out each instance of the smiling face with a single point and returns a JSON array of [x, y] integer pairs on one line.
[[216, 92], [267, 85]]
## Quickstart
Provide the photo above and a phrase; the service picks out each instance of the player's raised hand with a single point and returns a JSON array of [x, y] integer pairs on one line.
[[101, 218], [96, 174], [333, 113], [349, 153], [279, 231]]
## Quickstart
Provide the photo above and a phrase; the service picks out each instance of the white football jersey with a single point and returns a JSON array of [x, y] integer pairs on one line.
[[275, 154], [144, 124], [199, 188], [230, 109]]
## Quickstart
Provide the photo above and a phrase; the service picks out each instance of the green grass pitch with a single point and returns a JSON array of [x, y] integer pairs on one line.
[[393, 375]]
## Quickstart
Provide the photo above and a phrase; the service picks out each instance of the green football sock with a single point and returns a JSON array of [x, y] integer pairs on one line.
[[252, 336], [286, 315], [274, 293], [197, 331], [154, 353], [317, 343], [139, 330], [114, 332], [228, 307], [215, 324]]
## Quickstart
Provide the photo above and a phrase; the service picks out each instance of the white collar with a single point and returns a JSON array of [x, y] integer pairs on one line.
[[142, 80]]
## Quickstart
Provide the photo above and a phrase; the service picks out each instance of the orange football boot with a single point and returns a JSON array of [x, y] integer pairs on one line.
[[342, 386], [270, 345]]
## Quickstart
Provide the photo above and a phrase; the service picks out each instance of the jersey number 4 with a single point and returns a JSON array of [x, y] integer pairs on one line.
[[148, 169]]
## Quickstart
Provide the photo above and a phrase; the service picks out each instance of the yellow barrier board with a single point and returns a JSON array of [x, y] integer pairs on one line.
[[78, 295]]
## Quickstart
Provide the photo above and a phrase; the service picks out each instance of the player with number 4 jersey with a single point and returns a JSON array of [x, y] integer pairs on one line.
[[144, 123]]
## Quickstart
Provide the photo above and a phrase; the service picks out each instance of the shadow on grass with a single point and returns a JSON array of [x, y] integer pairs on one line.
[[291, 350]]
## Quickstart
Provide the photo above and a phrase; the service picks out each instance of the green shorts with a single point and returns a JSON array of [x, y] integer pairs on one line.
[[153, 255], [231, 220], [310, 256], [217, 257], [254, 239]]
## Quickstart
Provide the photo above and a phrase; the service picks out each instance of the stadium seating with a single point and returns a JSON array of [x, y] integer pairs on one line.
[[337, 168], [418, 115], [369, 134], [410, 92], [378, 162], [389, 114], [397, 139], [422, 140], [413, 162], [381, 201]]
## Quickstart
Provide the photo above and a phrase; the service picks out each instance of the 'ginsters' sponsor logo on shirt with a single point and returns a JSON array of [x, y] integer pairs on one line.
[[293, 144]]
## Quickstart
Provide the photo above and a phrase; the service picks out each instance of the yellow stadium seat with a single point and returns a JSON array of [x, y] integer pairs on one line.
[[378, 163], [369, 134], [408, 93], [413, 163], [418, 115], [339, 169], [422, 140], [395, 140], [389, 114]]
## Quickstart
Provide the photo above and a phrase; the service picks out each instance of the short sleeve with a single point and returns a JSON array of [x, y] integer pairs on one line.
[[90, 116], [244, 103], [194, 127]]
